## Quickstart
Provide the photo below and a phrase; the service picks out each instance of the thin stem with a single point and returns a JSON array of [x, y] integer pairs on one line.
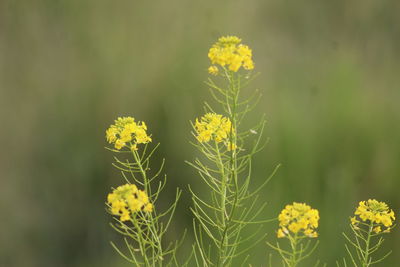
[[366, 260], [224, 242], [141, 242], [143, 172], [156, 242], [293, 244], [232, 106]]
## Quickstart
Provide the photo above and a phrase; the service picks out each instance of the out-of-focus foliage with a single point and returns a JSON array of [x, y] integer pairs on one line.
[[330, 84]]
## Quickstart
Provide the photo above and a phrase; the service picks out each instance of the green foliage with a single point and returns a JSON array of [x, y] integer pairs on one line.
[[226, 169], [363, 245], [231, 206], [144, 231], [69, 67]]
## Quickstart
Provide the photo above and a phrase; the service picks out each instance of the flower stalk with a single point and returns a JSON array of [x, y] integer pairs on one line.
[[226, 170], [226, 149], [297, 222], [372, 219], [136, 217]]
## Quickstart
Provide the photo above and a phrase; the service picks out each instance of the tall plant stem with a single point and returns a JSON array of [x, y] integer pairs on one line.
[[142, 172], [153, 229], [224, 242], [232, 110], [141, 242], [293, 244], [366, 260]]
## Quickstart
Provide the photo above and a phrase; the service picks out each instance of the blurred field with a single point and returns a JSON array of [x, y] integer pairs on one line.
[[331, 91]]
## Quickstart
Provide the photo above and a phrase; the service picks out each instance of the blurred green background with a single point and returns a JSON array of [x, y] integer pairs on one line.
[[330, 78]]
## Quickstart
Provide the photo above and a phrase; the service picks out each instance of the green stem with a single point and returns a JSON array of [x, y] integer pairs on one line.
[[293, 244], [143, 172], [233, 167], [223, 241], [366, 260], [233, 140], [141, 242], [156, 242]]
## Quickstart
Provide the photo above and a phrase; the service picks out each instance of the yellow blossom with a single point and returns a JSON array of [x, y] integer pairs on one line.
[[125, 135], [117, 206], [213, 127], [377, 229], [126, 200], [220, 135], [294, 227], [310, 233], [204, 136], [125, 132], [111, 134], [119, 144], [298, 218], [354, 221], [248, 64], [280, 233], [148, 207], [213, 70], [228, 51], [377, 213], [125, 215]]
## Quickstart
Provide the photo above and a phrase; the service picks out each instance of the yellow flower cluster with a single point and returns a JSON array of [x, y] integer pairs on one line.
[[378, 213], [127, 131], [214, 127], [229, 51], [128, 199], [297, 218]]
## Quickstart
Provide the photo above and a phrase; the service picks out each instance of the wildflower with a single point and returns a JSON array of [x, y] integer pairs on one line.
[[298, 218], [111, 134], [229, 51], [119, 144], [377, 229], [213, 70], [214, 127], [126, 200], [280, 233], [354, 221], [377, 213], [310, 233], [134, 147], [127, 132]]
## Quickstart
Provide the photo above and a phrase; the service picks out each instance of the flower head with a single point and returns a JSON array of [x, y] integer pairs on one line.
[[229, 51], [377, 213], [215, 127], [298, 218], [126, 131], [213, 70], [126, 200]]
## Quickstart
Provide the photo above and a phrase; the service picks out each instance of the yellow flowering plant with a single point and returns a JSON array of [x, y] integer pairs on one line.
[[230, 54], [297, 222], [226, 149], [226, 163], [126, 132], [133, 204], [372, 219]]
